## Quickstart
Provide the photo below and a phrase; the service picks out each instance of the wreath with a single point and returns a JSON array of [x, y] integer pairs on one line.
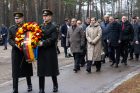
[[35, 30], [27, 39]]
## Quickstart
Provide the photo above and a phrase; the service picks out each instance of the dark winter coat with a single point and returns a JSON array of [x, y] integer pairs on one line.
[[84, 26], [47, 54], [64, 29], [105, 32], [114, 33], [20, 68], [4, 31], [136, 28], [127, 34]]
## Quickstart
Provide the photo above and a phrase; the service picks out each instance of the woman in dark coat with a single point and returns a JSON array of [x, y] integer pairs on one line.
[[47, 54], [20, 68]]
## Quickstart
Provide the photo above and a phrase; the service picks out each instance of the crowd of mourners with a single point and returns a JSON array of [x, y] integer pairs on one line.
[[94, 42]]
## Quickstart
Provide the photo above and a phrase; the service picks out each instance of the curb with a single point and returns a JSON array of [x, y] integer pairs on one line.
[[118, 82]]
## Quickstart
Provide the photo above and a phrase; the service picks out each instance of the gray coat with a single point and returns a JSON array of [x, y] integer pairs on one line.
[[75, 39]]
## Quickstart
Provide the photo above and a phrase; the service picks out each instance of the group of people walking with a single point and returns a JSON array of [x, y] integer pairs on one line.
[[91, 43]]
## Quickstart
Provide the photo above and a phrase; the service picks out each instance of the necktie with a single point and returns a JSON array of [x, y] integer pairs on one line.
[[122, 26]]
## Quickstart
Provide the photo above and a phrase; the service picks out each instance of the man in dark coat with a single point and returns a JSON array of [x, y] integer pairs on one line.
[[84, 26], [47, 55], [4, 33], [127, 35], [64, 29], [114, 41], [20, 68], [131, 45], [76, 39], [136, 27]]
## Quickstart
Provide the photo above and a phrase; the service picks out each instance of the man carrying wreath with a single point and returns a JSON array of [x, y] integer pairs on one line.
[[47, 54], [20, 68]]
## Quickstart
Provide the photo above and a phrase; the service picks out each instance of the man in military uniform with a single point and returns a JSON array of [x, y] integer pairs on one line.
[[47, 54], [20, 68]]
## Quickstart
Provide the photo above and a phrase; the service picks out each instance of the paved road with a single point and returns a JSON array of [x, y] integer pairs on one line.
[[5, 63], [70, 82]]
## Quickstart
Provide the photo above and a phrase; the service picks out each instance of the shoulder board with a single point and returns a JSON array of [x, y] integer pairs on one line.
[[12, 26]]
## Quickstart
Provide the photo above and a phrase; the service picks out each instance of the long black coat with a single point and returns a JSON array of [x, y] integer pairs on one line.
[[47, 54], [20, 68], [64, 32], [136, 38]]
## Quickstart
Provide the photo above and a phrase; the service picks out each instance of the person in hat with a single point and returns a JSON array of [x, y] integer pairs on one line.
[[20, 68], [47, 55]]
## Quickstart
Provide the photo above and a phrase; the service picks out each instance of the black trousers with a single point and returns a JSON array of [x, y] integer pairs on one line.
[[5, 42], [65, 50], [15, 83], [42, 82], [137, 56], [77, 60], [115, 54], [105, 49], [131, 51], [83, 59], [124, 51], [97, 64]]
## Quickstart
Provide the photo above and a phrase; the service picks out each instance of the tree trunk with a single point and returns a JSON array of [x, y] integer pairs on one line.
[[79, 9], [101, 6]]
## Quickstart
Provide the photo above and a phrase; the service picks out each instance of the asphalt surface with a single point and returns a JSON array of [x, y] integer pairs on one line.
[[69, 82]]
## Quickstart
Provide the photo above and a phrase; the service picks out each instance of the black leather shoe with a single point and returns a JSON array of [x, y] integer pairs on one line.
[[116, 66], [41, 91], [75, 70], [98, 70], [55, 89], [29, 88], [88, 70]]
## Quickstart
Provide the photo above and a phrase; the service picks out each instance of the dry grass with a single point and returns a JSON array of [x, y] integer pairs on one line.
[[130, 86]]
